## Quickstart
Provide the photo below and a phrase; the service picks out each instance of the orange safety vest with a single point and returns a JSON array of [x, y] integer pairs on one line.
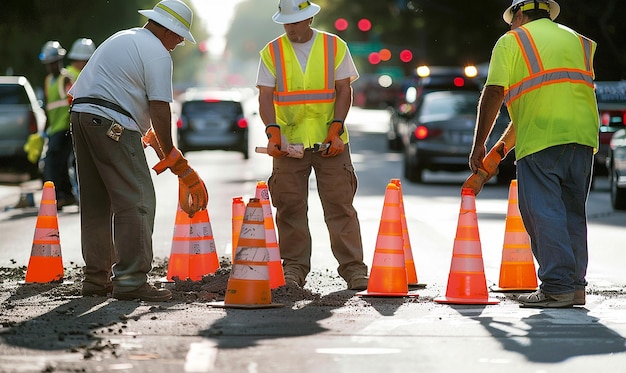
[[304, 101]]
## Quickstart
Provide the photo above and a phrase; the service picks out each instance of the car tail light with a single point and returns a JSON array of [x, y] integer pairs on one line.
[[459, 82], [421, 132], [242, 123], [32, 123], [179, 123], [211, 100]]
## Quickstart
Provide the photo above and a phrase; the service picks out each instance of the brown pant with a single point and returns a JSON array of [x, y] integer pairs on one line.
[[336, 185], [117, 203]]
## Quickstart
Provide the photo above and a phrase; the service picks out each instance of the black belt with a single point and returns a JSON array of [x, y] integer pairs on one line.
[[103, 103]]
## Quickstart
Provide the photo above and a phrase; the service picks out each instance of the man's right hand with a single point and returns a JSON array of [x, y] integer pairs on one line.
[[274, 141]]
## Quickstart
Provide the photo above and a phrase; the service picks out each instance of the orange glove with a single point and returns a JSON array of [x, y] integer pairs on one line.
[[192, 193], [334, 139], [150, 139], [274, 141]]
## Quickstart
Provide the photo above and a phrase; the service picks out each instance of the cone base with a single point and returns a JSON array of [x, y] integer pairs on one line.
[[245, 306], [513, 289], [192, 267], [44, 269], [451, 300], [277, 277], [366, 293]]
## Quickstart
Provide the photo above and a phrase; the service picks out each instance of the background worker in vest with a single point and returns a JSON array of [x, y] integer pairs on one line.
[[59, 144], [544, 73], [79, 54], [301, 121], [109, 118]]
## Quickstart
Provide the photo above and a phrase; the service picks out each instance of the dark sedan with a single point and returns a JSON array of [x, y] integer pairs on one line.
[[616, 164], [439, 136]]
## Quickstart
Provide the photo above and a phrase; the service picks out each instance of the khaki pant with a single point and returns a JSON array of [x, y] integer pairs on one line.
[[336, 185], [117, 203]]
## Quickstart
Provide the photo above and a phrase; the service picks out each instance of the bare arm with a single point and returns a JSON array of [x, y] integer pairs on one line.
[[266, 105], [488, 108], [343, 99], [161, 116]]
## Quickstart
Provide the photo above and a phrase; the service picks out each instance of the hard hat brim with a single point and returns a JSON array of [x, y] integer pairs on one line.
[[309, 12], [555, 9], [165, 22]]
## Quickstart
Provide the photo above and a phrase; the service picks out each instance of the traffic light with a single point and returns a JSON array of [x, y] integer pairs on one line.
[[406, 55], [341, 24], [364, 25], [374, 58]]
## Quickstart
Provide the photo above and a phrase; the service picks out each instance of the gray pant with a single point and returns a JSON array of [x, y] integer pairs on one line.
[[117, 203], [336, 185]]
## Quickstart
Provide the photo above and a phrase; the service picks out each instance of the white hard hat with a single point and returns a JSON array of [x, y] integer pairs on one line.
[[292, 11], [82, 49], [552, 7], [173, 15], [51, 52]]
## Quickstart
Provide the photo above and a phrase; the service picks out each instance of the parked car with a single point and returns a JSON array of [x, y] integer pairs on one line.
[[616, 164], [212, 120], [21, 115], [439, 136], [427, 79], [611, 98]]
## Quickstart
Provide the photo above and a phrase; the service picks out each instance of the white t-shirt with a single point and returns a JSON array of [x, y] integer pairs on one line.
[[346, 68], [130, 68]]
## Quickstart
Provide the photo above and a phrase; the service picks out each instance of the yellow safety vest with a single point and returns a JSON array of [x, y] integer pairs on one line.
[[565, 110], [305, 101], [57, 104]]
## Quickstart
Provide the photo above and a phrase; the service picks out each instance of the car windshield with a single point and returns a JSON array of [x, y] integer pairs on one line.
[[11, 94], [449, 104], [222, 108]]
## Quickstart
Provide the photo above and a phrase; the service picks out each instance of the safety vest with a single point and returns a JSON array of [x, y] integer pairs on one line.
[[57, 105], [566, 112], [305, 101]]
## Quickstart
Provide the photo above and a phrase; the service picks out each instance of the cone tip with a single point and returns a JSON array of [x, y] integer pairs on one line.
[[48, 184], [238, 199], [392, 186]]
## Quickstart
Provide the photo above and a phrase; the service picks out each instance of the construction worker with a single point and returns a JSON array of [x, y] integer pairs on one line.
[[123, 94], [59, 140], [305, 93], [79, 54], [544, 73]]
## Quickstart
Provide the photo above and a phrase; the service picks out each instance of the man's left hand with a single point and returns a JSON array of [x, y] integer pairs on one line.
[[333, 138]]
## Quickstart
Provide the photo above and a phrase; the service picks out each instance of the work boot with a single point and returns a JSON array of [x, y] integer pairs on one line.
[[539, 299], [146, 292], [579, 297], [293, 279], [358, 282], [90, 289]]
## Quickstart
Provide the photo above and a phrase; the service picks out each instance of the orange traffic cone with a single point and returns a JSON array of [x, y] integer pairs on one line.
[[408, 254], [517, 270], [466, 282], [238, 209], [249, 282], [388, 277], [46, 263], [193, 252], [277, 277]]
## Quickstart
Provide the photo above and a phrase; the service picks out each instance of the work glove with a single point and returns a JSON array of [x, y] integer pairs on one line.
[[150, 139], [334, 139], [274, 141], [192, 193]]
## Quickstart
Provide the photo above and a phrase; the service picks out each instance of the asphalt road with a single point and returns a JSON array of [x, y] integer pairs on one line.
[[322, 327]]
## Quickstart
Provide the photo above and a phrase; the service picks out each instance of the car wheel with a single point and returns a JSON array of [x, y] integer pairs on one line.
[[618, 195], [412, 169]]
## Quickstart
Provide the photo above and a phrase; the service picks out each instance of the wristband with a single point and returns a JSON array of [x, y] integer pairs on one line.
[[342, 125]]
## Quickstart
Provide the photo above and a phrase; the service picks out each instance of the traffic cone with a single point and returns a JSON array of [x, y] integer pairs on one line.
[[388, 277], [249, 282], [411, 273], [517, 270], [466, 282], [277, 277], [46, 264], [238, 209], [193, 252]]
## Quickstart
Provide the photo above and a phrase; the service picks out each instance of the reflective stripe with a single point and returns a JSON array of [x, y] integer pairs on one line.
[[175, 15], [57, 104], [282, 95], [540, 77]]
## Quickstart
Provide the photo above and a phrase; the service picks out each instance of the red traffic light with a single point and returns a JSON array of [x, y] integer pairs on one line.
[[406, 55], [341, 24], [364, 25], [374, 58]]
